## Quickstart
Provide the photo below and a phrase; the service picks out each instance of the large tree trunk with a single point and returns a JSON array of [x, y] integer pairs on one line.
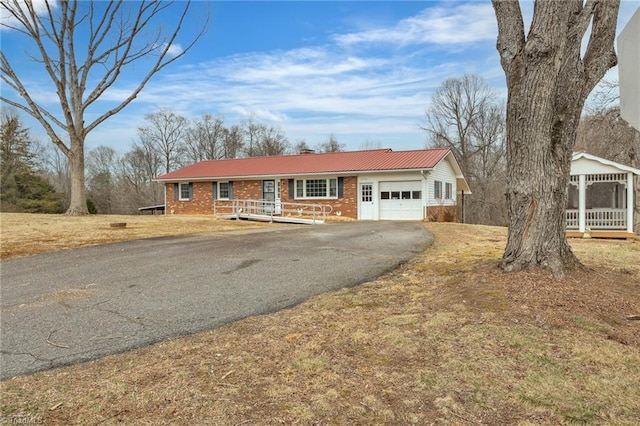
[[78, 201], [548, 82]]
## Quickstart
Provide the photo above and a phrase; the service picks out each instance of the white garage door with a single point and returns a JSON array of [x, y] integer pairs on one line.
[[401, 200]]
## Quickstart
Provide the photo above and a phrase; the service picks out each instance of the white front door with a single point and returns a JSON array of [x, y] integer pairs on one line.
[[367, 203], [268, 196]]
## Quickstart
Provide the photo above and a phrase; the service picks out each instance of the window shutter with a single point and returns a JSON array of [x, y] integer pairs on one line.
[[292, 194], [176, 191], [230, 190], [340, 187], [190, 191], [214, 190]]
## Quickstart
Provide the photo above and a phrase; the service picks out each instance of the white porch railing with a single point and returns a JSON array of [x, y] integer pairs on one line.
[[598, 219], [572, 219], [273, 210]]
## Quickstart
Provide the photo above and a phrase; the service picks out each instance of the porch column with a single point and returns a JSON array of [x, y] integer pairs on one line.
[[582, 203], [630, 205]]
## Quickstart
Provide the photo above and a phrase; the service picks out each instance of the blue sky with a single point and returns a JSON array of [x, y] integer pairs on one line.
[[363, 71]]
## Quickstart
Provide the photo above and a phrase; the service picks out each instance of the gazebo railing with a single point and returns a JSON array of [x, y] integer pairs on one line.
[[598, 219]]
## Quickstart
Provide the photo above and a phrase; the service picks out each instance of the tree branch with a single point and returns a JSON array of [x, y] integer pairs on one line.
[[511, 37], [600, 55]]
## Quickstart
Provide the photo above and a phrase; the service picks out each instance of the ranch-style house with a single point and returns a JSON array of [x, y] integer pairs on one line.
[[379, 184]]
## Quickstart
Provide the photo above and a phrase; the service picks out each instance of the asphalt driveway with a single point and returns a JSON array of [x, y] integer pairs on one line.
[[78, 305]]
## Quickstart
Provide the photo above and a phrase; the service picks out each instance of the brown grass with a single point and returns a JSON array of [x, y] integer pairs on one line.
[[26, 234], [444, 339]]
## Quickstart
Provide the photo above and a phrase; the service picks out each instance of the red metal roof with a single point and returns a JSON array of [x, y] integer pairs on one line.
[[306, 164]]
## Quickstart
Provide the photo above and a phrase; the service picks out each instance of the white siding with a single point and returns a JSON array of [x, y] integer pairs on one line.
[[376, 178], [444, 173]]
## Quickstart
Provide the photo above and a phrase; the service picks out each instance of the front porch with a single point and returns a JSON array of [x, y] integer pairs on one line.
[[600, 200]]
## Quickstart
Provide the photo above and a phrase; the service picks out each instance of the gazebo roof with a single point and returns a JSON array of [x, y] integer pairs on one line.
[[584, 163]]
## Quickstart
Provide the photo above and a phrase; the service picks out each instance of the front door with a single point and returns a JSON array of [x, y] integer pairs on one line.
[[367, 204], [268, 196]]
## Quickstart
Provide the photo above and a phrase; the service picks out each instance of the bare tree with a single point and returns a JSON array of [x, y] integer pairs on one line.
[[165, 135], [271, 141], [115, 36], [330, 145], [465, 116], [136, 171], [251, 131], [456, 108], [301, 147], [204, 139], [56, 169], [101, 178], [548, 80], [233, 142]]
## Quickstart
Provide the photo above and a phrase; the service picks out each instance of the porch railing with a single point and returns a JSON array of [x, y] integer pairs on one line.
[[598, 219], [272, 209]]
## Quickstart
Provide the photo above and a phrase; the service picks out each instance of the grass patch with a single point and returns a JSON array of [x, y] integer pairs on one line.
[[26, 234], [446, 338]]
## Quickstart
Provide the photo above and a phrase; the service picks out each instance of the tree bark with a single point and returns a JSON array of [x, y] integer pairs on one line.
[[548, 82], [78, 199]]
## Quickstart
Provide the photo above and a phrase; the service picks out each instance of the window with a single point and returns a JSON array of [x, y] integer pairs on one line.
[[316, 188], [404, 195], [223, 190], [185, 191], [367, 193], [299, 189], [437, 189], [448, 191]]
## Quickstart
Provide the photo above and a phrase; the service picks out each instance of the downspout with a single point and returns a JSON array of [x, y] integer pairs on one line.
[[462, 206], [165, 199]]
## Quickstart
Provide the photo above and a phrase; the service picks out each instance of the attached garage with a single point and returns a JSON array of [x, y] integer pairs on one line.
[[401, 200]]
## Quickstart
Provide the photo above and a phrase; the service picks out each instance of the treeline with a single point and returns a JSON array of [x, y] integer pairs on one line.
[[35, 177], [464, 115]]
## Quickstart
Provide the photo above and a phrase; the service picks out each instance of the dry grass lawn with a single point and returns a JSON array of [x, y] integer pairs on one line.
[[26, 234], [444, 339]]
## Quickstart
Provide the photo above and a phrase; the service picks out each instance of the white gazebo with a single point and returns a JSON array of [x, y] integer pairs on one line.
[[600, 202]]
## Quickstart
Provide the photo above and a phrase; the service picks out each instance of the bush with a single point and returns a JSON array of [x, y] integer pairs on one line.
[[91, 207]]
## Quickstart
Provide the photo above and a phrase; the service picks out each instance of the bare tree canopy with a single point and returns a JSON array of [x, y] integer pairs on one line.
[[84, 48], [465, 116], [549, 77], [165, 134], [330, 145]]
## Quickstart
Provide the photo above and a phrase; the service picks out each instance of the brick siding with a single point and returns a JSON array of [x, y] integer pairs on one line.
[[202, 202]]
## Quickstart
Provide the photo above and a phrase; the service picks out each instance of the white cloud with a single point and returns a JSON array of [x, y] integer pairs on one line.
[[464, 23], [7, 20], [351, 91], [174, 50]]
